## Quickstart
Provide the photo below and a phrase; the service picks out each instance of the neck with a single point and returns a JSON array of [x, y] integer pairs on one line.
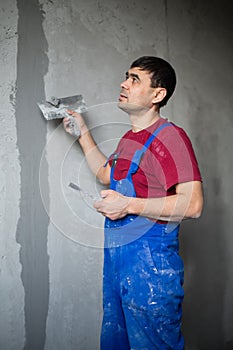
[[140, 122]]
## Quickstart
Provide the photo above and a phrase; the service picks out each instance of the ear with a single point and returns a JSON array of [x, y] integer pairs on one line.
[[159, 94]]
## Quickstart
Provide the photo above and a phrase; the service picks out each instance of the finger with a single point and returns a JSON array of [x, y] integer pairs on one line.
[[73, 113], [97, 205], [105, 193], [66, 126], [70, 111]]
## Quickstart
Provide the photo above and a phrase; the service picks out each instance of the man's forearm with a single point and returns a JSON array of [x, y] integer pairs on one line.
[[95, 158], [165, 208], [172, 208], [186, 203]]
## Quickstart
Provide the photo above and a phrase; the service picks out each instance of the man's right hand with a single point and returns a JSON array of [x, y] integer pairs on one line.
[[78, 120]]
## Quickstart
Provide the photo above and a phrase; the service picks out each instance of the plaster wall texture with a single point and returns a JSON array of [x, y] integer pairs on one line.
[[11, 288], [51, 238]]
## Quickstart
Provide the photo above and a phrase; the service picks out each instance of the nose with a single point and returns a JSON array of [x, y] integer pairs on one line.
[[125, 84]]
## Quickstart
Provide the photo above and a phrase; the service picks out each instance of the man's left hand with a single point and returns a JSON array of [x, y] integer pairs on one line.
[[113, 205]]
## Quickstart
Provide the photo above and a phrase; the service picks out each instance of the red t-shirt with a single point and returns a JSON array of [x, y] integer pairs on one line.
[[169, 160]]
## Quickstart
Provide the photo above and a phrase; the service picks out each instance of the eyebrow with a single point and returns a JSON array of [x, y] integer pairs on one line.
[[133, 75]]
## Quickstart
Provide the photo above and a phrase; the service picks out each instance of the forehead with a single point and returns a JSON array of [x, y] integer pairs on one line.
[[142, 74]]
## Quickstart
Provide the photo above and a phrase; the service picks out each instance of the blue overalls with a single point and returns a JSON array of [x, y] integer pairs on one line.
[[143, 277]]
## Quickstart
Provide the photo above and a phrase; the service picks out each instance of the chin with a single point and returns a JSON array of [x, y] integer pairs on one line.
[[131, 107], [122, 105]]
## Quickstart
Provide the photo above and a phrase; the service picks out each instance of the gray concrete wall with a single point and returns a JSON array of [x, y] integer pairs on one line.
[[51, 238]]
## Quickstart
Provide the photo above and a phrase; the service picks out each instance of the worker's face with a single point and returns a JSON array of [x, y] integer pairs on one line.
[[136, 92]]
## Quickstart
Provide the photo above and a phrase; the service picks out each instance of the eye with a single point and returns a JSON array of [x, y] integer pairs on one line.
[[134, 80]]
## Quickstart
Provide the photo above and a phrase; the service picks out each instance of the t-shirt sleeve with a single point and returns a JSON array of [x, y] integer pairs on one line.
[[177, 159]]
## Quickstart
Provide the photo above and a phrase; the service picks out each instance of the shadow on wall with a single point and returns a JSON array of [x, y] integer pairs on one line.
[[229, 345], [205, 275], [203, 247]]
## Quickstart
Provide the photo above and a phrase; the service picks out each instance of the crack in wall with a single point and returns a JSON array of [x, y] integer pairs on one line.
[[167, 32], [32, 229]]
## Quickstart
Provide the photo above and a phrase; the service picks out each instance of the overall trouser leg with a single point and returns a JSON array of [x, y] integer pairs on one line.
[[114, 333], [152, 295]]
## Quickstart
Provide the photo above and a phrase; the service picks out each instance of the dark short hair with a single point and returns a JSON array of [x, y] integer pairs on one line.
[[163, 74]]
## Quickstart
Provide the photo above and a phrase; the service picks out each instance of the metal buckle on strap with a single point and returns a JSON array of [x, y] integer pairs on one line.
[[115, 157]]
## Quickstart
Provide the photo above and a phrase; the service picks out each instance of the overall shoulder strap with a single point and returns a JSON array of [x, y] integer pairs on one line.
[[140, 152], [154, 135]]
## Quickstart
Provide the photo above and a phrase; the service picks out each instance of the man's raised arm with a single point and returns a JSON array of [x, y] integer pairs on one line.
[[95, 158]]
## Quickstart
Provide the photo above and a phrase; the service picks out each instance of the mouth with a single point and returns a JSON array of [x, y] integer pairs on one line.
[[122, 97]]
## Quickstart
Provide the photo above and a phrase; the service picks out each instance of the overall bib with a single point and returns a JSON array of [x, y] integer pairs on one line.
[[143, 277]]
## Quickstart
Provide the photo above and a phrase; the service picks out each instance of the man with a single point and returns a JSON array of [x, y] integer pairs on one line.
[[155, 183]]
